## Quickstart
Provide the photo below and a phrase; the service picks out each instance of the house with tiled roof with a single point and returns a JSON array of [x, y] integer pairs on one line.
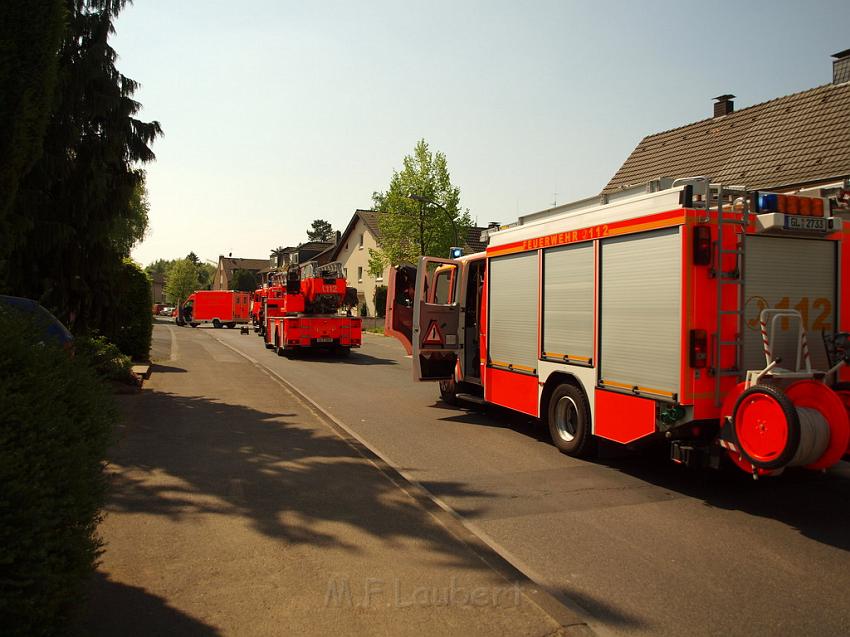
[[352, 251], [227, 265], [788, 144]]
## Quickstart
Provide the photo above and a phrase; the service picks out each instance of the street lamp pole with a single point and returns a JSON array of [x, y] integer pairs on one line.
[[422, 201]]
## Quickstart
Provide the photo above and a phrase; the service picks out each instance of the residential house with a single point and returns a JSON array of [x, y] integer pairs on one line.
[[228, 265], [352, 251], [303, 252], [158, 288], [799, 142]]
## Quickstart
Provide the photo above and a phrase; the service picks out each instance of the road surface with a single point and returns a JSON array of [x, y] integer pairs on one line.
[[643, 546]]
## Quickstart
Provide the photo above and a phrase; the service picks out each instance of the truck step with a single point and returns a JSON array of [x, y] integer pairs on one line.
[[471, 398]]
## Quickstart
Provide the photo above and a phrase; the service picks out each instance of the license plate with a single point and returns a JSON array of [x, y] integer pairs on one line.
[[324, 340], [808, 224]]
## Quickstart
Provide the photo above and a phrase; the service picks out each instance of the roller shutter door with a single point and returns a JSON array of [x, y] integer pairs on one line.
[[513, 311], [790, 273], [568, 303], [640, 311]]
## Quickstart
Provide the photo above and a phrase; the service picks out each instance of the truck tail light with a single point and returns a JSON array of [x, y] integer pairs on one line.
[[702, 245], [699, 349]]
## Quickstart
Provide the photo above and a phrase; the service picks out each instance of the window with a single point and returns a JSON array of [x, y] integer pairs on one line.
[[361, 240], [345, 273], [360, 274], [380, 278]]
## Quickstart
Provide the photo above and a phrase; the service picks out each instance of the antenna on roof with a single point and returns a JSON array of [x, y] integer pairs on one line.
[[555, 200]]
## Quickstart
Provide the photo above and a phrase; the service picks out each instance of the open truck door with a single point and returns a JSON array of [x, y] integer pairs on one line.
[[436, 319], [401, 290]]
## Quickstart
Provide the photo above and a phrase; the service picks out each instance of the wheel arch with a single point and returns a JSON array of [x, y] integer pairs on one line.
[[555, 379]]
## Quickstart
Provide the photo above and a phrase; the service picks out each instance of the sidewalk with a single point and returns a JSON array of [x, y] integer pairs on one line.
[[236, 510]]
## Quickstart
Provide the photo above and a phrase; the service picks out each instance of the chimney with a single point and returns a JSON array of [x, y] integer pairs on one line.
[[723, 105], [841, 67]]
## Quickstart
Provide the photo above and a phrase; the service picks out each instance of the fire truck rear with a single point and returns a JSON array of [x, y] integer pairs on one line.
[[686, 311], [301, 311]]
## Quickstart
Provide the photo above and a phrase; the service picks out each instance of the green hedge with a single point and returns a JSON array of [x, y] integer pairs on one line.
[[56, 422], [130, 321]]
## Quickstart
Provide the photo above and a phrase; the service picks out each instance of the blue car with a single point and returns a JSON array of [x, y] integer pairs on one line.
[[52, 326]]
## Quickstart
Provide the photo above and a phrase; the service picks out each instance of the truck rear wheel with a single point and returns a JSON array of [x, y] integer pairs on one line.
[[231, 325], [568, 416], [216, 324]]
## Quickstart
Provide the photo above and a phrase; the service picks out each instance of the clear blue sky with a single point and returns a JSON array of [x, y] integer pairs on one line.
[[277, 113]]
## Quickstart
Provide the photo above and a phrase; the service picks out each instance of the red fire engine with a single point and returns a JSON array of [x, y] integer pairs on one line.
[[679, 310], [301, 307]]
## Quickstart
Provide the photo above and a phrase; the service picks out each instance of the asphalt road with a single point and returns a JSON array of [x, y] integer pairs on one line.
[[643, 546]]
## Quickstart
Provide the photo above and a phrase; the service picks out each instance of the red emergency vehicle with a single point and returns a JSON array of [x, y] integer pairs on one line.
[[301, 311], [683, 310], [219, 307]]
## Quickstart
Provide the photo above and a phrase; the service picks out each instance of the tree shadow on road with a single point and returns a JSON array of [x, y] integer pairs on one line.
[[204, 456], [182, 457]]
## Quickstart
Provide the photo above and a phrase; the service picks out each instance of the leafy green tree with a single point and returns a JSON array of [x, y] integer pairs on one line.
[[129, 230], [160, 267], [320, 230], [206, 273], [30, 36], [78, 206], [193, 258], [181, 281], [412, 228], [243, 280]]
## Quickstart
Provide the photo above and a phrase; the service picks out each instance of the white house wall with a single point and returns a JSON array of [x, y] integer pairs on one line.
[[352, 256]]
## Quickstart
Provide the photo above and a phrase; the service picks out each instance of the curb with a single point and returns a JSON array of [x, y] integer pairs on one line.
[[568, 614]]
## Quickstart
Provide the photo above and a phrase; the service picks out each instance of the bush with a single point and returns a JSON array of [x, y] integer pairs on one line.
[[105, 357], [130, 321], [381, 301], [56, 419], [364, 309]]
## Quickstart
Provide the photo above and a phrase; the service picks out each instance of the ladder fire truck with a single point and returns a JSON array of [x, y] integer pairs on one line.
[[300, 311], [709, 316]]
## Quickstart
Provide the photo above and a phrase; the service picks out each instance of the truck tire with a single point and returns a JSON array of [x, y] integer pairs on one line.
[[194, 324], [448, 392], [568, 417], [231, 325], [217, 324]]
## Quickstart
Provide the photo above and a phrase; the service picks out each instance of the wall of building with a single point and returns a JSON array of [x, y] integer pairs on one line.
[[354, 256]]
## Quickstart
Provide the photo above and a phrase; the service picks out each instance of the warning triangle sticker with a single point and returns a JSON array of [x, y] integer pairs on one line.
[[433, 335]]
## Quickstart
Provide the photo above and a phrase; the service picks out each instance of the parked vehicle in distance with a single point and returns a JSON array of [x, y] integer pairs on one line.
[[52, 327], [219, 307], [167, 310]]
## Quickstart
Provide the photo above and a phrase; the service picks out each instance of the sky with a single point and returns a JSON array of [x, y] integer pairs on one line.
[[277, 113]]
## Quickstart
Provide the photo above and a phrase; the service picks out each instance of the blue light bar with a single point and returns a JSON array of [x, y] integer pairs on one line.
[[768, 203]]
